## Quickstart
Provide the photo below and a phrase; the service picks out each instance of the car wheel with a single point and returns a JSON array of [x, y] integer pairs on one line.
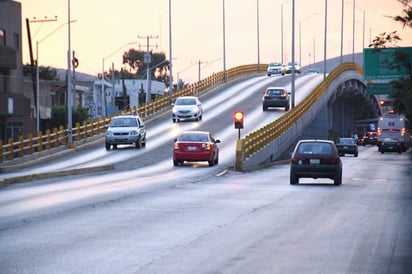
[[356, 154], [264, 108], [174, 120], [293, 179], [138, 144], [286, 107], [338, 179], [144, 143], [114, 146], [211, 162], [382, 152], [217, 160], [200, 117], [175, 162], [107, 146]]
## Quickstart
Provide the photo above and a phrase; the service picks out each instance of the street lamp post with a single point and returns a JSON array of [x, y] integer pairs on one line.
[[170, 54], [69, 76], [293, 55], [325, 41], [102, 79], [300, 36], [224, 44], [257, 31]]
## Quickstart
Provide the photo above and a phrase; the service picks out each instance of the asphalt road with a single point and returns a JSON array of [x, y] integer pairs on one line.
[[192, 221]]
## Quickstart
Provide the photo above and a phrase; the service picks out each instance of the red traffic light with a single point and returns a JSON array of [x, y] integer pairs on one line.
[[238, 118]]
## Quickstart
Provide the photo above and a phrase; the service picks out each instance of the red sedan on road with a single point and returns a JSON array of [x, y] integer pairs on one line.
[[194, 146]]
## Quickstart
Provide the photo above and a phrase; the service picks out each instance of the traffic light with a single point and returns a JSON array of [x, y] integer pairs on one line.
[[238, 118]]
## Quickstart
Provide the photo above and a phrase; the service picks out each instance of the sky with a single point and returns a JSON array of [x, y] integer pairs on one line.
[[105, 29]]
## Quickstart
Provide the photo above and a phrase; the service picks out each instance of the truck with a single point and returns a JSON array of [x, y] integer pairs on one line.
[[393, 125]]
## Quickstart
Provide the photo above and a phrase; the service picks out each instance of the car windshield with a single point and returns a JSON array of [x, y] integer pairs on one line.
[[315, 148], [185, 101], [193, 137], [124, 122], [275, 91]]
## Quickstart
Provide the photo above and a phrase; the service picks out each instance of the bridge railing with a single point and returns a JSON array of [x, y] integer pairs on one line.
[[259, 139], [93, 127]]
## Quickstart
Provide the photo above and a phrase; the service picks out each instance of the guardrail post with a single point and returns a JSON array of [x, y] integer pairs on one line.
[[39, 141], [30, 143], [21, 146], [239, 155], [63, 138], [77, 131], [55, 137], [48, 139], [84, 130], [11, 155]]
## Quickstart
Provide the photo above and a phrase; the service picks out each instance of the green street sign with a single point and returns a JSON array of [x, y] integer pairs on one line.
[[381, 64], [379, 88]]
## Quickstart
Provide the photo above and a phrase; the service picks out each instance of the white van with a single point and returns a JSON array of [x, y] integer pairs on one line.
[[393, 126]]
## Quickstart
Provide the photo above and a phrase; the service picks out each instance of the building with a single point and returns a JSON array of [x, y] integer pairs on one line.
[[135, 92], [16, 114]]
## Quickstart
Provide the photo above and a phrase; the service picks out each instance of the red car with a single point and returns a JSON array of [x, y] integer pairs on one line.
[[315, 159], [194, 146]]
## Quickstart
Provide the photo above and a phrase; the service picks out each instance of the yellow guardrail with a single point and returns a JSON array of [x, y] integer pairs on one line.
[[260, 138], [82, 131]]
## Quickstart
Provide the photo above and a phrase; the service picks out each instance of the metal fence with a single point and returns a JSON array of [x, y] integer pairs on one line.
[[82, 131], [259, 139]]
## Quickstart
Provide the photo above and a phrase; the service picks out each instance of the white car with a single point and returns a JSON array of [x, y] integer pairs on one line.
[[125, 129], [187, 108], [276, 68], [290, 68]]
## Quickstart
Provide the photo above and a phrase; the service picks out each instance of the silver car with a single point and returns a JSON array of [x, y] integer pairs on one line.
[[187, 108], [125, 129]]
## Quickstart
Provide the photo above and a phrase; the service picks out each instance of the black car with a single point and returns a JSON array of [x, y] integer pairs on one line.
[[347, 146], [370, 138], [276, 97], [390, 145], [315, 159]]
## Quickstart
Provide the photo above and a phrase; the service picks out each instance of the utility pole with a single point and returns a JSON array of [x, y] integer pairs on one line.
[[35, 65], [199, 64], [147, 60]]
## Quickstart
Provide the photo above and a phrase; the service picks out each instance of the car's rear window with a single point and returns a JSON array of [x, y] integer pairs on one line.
[[315, 148], [346, 141], [193, 137], [275, 91]]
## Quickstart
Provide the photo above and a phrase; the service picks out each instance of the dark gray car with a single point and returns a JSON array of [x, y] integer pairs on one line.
[[276, 97]]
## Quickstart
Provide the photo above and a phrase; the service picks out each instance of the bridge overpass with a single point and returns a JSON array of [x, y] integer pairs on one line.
[[339, 106]]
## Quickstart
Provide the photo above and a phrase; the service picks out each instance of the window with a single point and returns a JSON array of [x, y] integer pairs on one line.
[[16, 41]]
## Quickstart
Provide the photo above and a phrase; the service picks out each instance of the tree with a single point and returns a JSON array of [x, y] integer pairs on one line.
[[135, 60], [45, 73], [402, 88]]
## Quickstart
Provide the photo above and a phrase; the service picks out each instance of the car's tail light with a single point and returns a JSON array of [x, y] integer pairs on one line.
[[284, 95], [335, 160], [176, 146]]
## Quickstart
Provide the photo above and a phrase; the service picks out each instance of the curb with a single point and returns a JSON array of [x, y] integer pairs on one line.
[[54, 174]]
